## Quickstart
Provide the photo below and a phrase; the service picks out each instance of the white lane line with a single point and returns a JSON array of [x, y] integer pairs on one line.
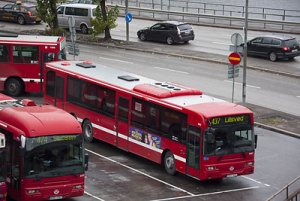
[[206, 194], [297, 96], [140, 172], [255, 181], [97, 198], [221, 43], [242, 84], [128, 62], [176, 71]]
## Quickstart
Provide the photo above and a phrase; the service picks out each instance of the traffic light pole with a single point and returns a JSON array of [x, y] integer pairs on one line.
[[245, 51]]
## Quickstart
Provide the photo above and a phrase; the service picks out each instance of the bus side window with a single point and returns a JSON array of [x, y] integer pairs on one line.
[[138, 117], [50, 82], [49, 57], [173, 124], [4, 54]]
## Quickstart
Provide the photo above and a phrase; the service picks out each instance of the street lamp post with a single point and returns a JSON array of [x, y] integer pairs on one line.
[[245, 52]]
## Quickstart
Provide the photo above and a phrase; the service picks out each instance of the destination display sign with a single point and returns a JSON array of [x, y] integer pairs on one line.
[[38, 141], [230, 120]]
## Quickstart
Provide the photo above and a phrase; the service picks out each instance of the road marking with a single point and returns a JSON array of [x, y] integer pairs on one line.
[[255, 181], [297, 96], [206, 194], [176, 71], [97, 198], [242, 84], [140, 172], [128, 62], [221, 43]]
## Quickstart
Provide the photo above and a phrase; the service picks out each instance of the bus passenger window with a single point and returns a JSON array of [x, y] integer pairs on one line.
[[49, 57], [4, 54]]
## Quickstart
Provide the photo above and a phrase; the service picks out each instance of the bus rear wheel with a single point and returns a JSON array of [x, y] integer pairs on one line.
[[169, 163], [87, 130], [14, 87]]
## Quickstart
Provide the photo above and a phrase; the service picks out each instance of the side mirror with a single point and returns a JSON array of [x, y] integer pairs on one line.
[[255, 141], [86, 161]]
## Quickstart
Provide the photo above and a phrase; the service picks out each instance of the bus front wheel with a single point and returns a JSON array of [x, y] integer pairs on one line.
[[169, 163], [87, 130], [14, 87]]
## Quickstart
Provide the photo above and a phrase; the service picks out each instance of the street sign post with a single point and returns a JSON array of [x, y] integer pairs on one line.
[[73, 48]]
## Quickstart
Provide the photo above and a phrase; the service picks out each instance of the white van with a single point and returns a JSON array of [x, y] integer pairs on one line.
[[82, 14]]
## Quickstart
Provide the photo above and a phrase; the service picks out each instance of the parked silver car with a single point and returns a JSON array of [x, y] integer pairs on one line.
[[82, 13]]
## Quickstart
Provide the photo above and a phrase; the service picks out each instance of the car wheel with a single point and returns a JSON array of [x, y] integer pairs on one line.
[[87, 130], [84, 29], [170, 40], [273, 56], [21, 20], [14, 87], [142, 37], [169, 163]]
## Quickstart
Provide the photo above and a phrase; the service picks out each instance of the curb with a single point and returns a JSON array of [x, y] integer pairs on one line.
[[278, 130]]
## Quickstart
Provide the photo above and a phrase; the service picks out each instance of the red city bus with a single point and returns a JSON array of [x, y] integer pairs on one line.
[[22, 59], [170, 124], [45, 155], [3, 189]]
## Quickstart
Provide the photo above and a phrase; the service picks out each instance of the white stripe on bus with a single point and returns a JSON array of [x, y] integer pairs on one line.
[[179, 158]]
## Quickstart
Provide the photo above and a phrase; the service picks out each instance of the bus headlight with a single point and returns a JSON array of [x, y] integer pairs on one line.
[[32, 191], [210, 168]]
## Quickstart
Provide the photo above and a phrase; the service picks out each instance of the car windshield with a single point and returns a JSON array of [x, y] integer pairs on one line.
[[228, 140], [184, 27], [291, 43], [52, 156]]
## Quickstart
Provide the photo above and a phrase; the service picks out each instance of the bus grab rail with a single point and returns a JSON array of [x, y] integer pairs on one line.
[[288, 196]]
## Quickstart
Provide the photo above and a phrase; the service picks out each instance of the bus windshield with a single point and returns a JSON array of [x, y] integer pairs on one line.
[[228, 140], [2, 166], [51, 156]]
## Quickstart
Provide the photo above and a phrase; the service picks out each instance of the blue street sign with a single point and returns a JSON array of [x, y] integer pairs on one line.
[[128, 17]]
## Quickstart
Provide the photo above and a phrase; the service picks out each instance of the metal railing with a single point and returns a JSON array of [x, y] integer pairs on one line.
[[215, 14], [228, 21], [291, 192]]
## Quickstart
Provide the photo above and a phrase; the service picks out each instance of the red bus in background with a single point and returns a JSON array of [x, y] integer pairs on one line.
[[44, 151], [3, 189], [170, 124], [22, 59]]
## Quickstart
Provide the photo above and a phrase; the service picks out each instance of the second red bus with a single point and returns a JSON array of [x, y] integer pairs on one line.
[[3, 189], [170, 124]]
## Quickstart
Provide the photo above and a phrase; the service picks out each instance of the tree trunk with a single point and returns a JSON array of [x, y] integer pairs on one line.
[[104, 15], [54, 12]]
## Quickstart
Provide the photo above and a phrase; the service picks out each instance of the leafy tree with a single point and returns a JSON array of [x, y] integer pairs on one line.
[[105, 20], [46, 10]]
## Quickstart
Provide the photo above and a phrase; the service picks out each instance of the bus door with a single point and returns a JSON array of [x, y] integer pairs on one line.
[[59, 92], [122, 122], [14, 184], [193, 151], [46, 57]]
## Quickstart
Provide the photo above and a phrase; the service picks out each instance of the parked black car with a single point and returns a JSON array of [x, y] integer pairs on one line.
[[21, 13], [274, 47], [169, 32]]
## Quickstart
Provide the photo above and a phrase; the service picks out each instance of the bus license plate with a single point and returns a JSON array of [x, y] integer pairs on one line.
[[55, 198], [231, 175]]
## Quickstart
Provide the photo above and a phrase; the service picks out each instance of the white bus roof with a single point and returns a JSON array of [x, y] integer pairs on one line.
[[30, 39], [115, 78]]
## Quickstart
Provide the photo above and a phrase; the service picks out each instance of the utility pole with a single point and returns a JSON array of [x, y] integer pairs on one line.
[[127, 23], [245, 52]]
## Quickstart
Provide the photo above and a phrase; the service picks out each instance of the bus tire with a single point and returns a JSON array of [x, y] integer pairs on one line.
[[87, 131], [14, 87], [169, 163]]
